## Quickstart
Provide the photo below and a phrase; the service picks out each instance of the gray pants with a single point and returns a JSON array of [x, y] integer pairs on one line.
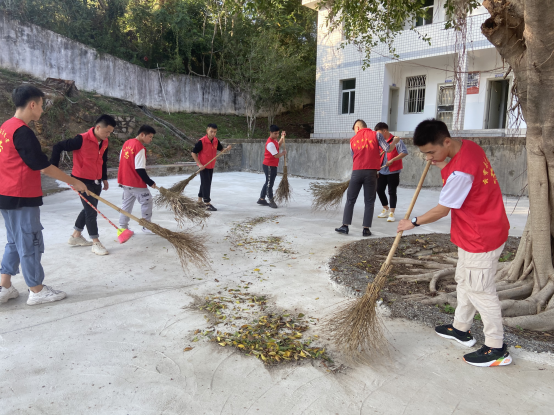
[[144, 198], [368, 179], [25, 244]]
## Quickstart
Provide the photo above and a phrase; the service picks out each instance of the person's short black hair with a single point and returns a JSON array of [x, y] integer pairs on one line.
[[363, 123], [273, 128], [430, 131], [212, 125], [381, 126], [146, 129], [105, 120], [22, 95]]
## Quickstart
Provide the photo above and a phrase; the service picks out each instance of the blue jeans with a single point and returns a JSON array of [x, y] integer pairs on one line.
[[25, 244]]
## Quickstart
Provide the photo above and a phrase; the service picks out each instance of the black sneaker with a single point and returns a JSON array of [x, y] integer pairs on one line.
[[366, 232], [449, 332], [272, 204], [342, 230], [263, 202], [489, 357], [210, 207]]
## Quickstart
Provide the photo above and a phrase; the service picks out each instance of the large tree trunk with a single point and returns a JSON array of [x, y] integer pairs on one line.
[[522, 32]]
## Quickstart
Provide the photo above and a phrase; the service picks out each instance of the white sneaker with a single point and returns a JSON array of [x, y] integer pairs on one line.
[[383, 214], [7, 294], [46, 295], [146, 231], [99, 249], [391, 217], [79, 241]]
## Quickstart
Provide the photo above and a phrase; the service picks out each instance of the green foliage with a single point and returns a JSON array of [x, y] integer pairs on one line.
[[448, 309], [367, 23]]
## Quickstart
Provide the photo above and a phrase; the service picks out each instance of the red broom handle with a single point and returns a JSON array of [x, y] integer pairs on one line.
[[94, 208]]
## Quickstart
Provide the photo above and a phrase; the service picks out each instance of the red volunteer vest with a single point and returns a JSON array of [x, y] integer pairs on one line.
[[366, 150], [16, 178], [481, 224], [269, 159], [208, 152], [397, 164], [87, 161], [127, 174]]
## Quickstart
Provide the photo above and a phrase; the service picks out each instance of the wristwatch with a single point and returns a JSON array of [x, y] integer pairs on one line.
[[414, 222]]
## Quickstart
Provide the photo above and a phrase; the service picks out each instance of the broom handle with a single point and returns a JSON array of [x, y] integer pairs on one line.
[[407, 216], [285, 149], [220, 153], [108, 203], [94, 208]]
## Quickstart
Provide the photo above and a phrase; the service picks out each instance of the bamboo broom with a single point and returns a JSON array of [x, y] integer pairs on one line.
[[328, 195], [189, 247], [284, 190], [182, 206], [179, 187], [357, 326]]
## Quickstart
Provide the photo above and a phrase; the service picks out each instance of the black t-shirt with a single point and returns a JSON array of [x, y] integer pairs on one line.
[[198, 147], [28, 147]]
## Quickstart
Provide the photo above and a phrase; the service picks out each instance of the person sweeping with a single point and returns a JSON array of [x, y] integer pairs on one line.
[[203, 152], [389, 175], [21, 163], [132, 177], [366, 146], [270, 164], [479, 227], [90, 157]]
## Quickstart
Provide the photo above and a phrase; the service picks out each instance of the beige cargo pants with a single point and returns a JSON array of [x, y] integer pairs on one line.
[[476, 292]]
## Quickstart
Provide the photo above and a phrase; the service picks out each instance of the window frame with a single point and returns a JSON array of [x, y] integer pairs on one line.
[[419, 97], [351, 101], [422, 21]]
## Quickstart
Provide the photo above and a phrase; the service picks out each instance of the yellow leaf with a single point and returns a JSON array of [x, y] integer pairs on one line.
[[263, 357], [316, 298], [222, 344], [518, 346], [256, 270], [188, 348], [240, 346]]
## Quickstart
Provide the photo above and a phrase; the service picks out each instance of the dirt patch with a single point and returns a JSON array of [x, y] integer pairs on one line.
[[356, 264]]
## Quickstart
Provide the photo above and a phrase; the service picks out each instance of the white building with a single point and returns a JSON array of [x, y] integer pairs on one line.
[[418, 85]]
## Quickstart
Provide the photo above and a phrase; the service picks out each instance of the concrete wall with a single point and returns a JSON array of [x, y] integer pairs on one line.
[[330, 159], [42, 53]]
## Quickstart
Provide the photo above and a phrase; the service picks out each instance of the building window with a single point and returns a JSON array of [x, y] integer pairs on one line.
[[348, 87], [414, 101], [427, 19], [445, 104]]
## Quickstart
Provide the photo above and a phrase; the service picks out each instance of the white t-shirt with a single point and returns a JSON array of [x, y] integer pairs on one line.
[[271, 148], [140, 159], [456, 189]]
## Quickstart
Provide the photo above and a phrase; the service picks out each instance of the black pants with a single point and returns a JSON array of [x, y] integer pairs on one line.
[[368, 179], [87, 217], [206, 176], [270, 175], [392, 180]]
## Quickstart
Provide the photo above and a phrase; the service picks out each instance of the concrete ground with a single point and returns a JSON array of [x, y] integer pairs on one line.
[[116, 344]]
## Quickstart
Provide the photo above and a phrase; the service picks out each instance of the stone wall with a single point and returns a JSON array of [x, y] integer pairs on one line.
[[125, 127], [331, 159], [30, 49]]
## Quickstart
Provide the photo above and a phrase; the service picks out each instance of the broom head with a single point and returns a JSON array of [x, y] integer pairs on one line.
[[179, 187], [123, 235], [357, 326], [327, 195], [182, 206], [189, 246], [284, 190]]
